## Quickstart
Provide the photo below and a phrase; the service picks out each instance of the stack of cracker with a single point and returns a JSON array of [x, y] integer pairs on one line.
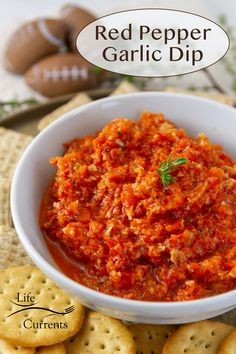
[[36, 316], [12, 145]]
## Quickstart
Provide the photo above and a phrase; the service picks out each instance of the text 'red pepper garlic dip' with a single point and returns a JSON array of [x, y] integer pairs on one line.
[[112, 225]]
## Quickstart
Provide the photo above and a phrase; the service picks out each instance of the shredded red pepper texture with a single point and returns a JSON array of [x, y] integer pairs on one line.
[[129, 236]]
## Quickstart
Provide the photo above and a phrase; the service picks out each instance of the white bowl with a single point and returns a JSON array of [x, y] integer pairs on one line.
[[34, 172]]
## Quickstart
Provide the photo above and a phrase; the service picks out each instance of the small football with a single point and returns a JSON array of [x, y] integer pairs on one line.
[[75, 19], [33, 41], [60, 74]]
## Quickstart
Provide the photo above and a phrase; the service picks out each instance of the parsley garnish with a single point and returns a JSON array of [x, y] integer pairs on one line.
[[167, 167]]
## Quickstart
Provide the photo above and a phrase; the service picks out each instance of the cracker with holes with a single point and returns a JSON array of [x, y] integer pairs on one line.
[[8, 348], [35, 312], [79, 100], [12, 145], [102, 335], [199, 337], [150, 338], [52, 349], [228, 346], [11, 251], [5, 212]]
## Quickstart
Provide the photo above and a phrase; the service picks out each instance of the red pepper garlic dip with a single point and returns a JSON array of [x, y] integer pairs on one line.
[[111, 225]]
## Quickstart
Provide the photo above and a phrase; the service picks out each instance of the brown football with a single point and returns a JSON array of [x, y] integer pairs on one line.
[[61, 74], [33, 41], [75, 18]]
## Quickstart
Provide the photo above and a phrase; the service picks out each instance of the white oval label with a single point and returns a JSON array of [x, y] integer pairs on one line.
[[152, 42]]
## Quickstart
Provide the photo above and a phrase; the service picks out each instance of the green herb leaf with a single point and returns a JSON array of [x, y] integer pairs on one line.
[[167, 167]]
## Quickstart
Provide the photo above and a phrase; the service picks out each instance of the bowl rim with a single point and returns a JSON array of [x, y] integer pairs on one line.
[[57, 275]]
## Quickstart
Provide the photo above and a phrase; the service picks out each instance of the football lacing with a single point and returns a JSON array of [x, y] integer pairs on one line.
[[66, 73]]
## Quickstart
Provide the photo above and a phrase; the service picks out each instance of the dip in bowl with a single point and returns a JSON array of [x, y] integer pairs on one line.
[[34, 173]]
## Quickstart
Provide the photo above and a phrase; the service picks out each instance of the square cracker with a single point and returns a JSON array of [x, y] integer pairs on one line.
[[12, 145], [11, 250], [79, 100], [5, 211], [219, 97], [124, 87]]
